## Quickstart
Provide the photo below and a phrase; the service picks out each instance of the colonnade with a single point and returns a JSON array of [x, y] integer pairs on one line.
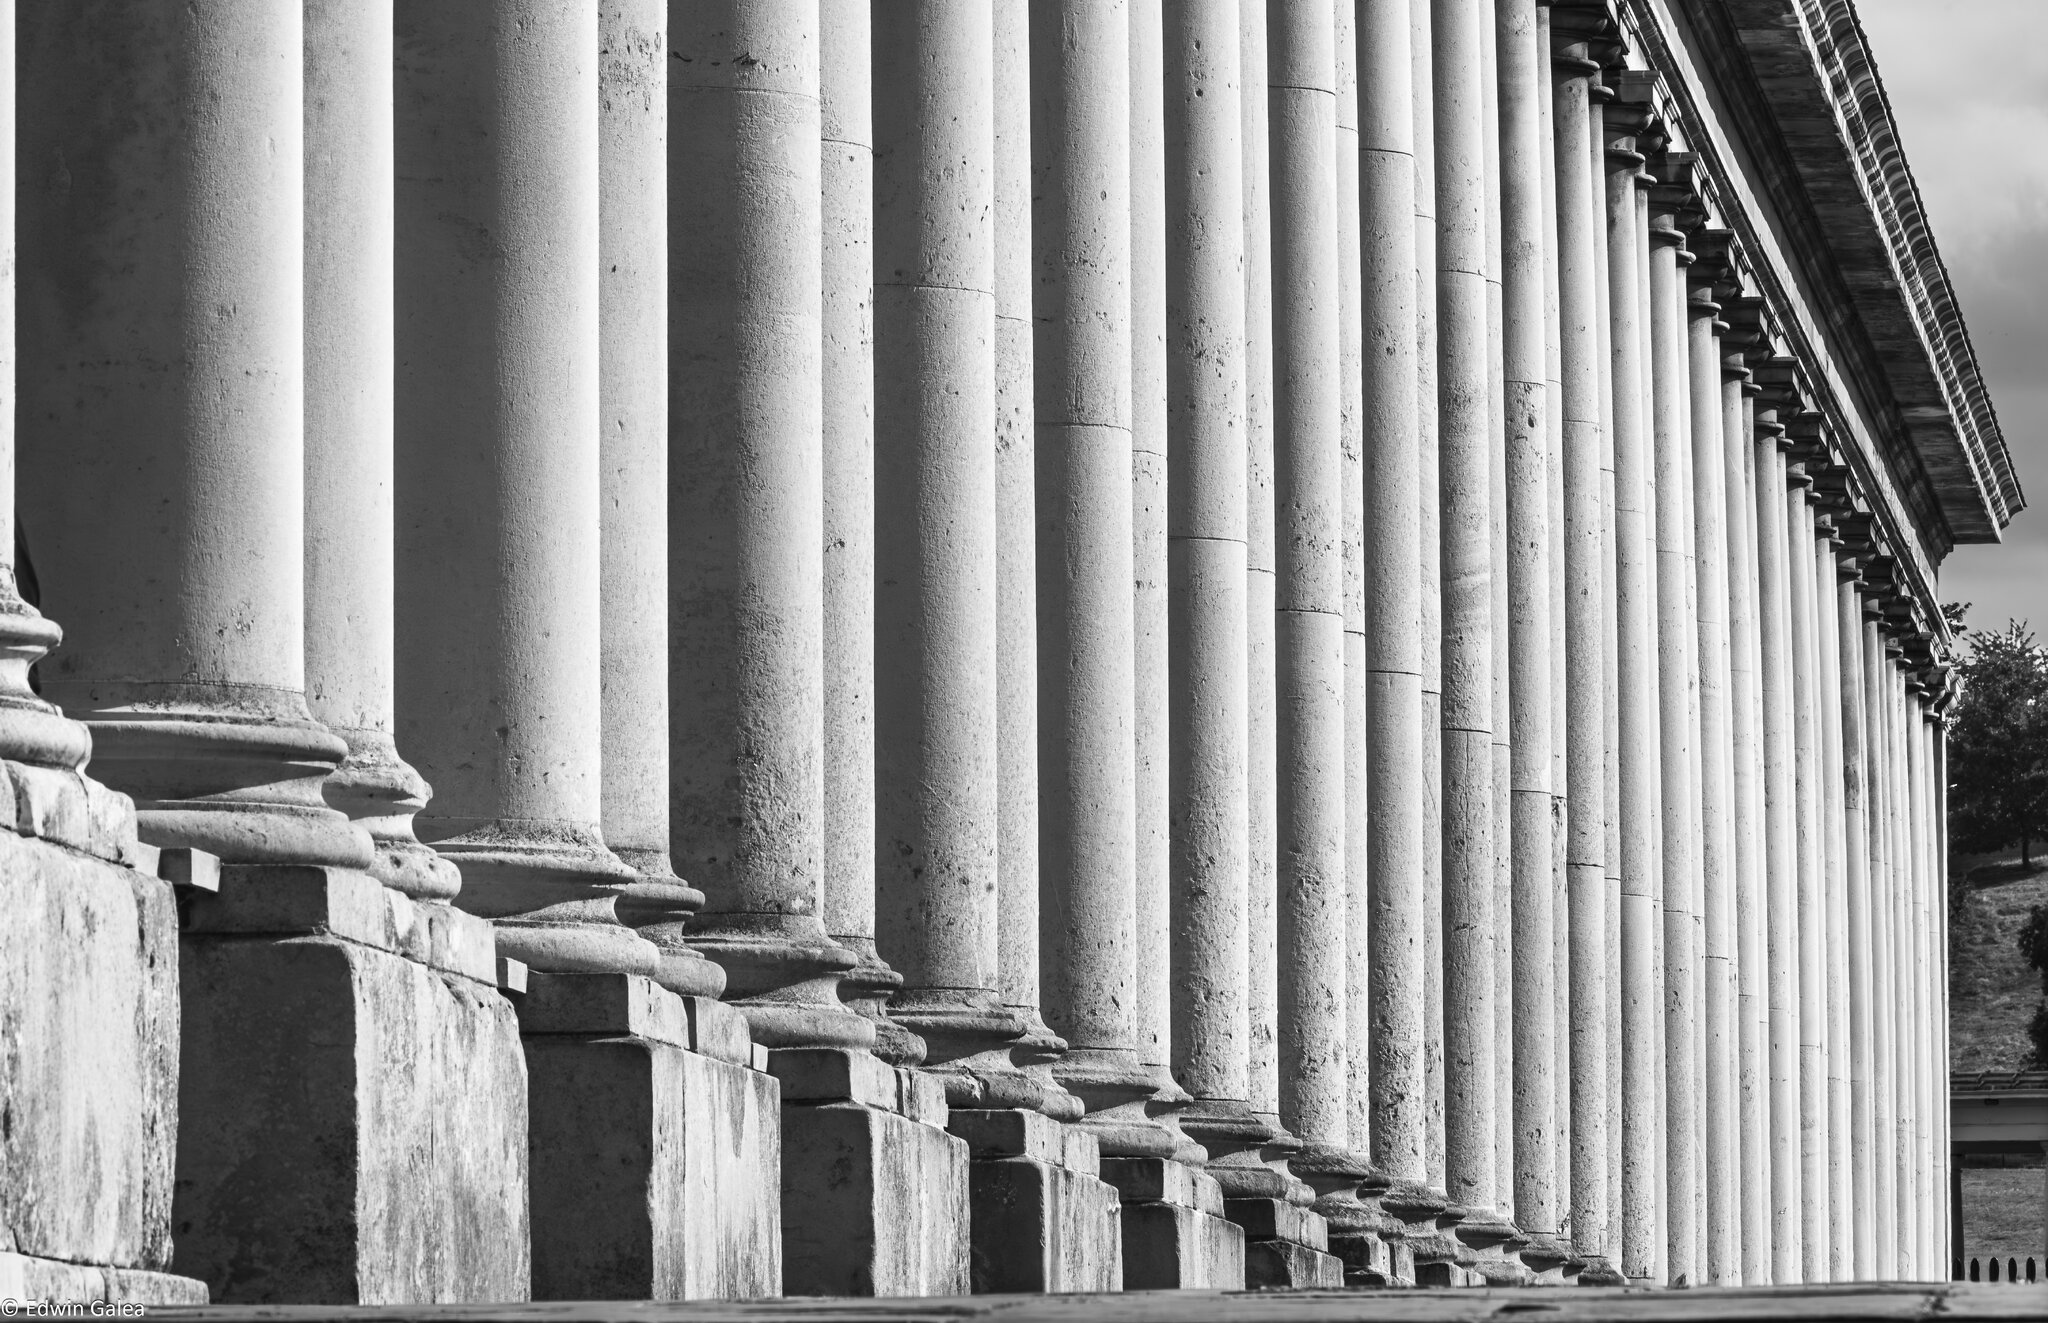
[[1262, 581]]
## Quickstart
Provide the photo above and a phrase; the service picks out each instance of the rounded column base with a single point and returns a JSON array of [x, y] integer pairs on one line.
[[867, 988], [31, 730], [783, 973], [1036, 1054], [380, 791], [550, 888], [967, 1038], [657, 904], [1235, 1140], [1117, 1091]]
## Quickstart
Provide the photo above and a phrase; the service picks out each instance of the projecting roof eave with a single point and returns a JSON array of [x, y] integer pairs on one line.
[[1866, 234]]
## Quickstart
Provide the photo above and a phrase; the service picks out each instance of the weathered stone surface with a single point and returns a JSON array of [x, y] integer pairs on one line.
[[827, 1074], [1276, 1219], [26, 1278], [1172, 1247], [88, 1058], [873, 1203], [654, 1173], [1283, 1264], [598, 1004], [1040, 1227], [362, 1132]]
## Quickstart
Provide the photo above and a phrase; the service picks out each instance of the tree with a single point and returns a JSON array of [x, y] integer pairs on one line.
[[1998, 744]]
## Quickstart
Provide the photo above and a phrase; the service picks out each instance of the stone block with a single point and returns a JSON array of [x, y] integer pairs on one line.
[[602, 1005], [655, 1172], [1172, 1247], [88, 1059], [357, 1129], [921, 1096], [1038, 1227], [1083, 1152], [1276, 1219], [23, 1277], [1370, 1260], [719, 1031], [873, 1203], [832, 1074], [1009, 1133], [1286, 1265]]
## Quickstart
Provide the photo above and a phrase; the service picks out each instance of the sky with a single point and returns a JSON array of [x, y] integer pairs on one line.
[[1968, 81]]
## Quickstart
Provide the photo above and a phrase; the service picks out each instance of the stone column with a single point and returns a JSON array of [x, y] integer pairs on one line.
[[1721, 1141], [1811, 908], [633, 486], [1527, 331], [1080, 144], [1856, 810], [1835, 883], [1581, 312], [1464, 447], [1781, 896], [1678, 664], [1422, 64], [499, 583], [1308, 537], [1393, 1087], [348, 418], [179, 578], [1152, 705], [1017, 555], [935, 558], [847, 134], [746, 501], [1262, 716], [1883, 966], [1638, 814]]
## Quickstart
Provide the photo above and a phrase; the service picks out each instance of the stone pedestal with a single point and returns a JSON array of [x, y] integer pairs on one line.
[[1285, 1246], [88, 1011], [874, 1191], [654, 1144], [1043, 1220], [1176, 1235], [361, 1095], [1371, 1258]]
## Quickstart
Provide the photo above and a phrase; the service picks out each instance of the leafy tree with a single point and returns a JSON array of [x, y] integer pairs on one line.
[[1998, 744]]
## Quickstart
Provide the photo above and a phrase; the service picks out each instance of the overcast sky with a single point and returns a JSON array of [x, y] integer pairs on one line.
[[1968, 81]]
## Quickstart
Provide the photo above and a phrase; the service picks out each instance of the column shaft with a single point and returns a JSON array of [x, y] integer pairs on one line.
[[1811, 906], [847, 134], [1884, 969], [746, 498], [350, 179], [1835, 881], [161, 415], [1856, 809], [1781, 897], [1205, 384], [1581, 314], [1081, 236], [499, 544], [1526, 336], [1308, 476]]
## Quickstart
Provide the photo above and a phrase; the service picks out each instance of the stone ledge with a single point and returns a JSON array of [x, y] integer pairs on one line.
[[279, 900], [1274, 1219], [23, 1277], [993, 1133], [1164, 1181], [822, 1075], [72, 810]]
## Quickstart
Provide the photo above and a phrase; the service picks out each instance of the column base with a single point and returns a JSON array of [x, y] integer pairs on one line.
[[874, 1191], [355, 1095], [1175, 1233], [1043, 1220], [1372, 1260], [89, 1022], [1285, 1246], [654, 1141]]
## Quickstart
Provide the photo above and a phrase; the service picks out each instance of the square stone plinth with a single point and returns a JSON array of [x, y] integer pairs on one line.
[[656, 1165], [1043, 1220], [874, 1190], [88, 1073], [1370, 1259], [1285, 1246], [1175, 1234], [354, 1116]]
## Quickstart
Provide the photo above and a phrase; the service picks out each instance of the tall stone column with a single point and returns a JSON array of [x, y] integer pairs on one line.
[[1308, 537], [746, 505], [348, 417], [1463, 486], [1721, 1141], [1640, 993], [499, 684], [1781, 859], [1811, 908], [1600, 96], [1150, 697], [179, 577], [1394, 1086], [847, 165], [1017, 554], [1857, 819], [1080, 142], [1527, 330], [1835, 884], [935, 561], [1883, 968], [633, 486], [1581, 235]]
